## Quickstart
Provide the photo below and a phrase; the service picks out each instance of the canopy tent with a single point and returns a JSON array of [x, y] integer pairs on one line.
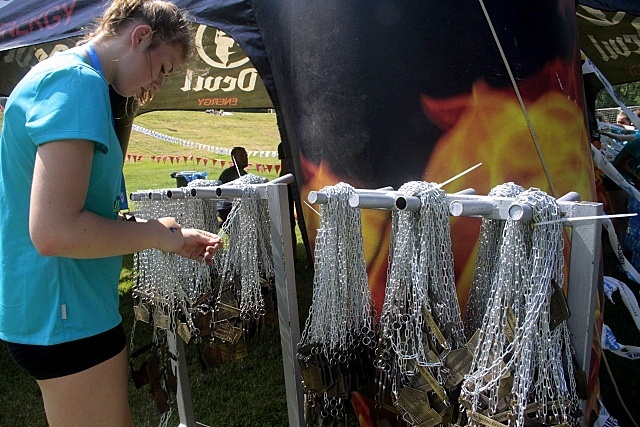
[[31, 30], [608, 31]]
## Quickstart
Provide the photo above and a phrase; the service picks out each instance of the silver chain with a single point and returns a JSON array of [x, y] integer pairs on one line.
[[516, 340], [247, 247], [341, 312], [487, 258], [168, 283], [420, 321], [340, 326]]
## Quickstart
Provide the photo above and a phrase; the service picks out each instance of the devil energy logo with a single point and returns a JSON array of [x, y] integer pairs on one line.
[[227, 53], [230, 71]]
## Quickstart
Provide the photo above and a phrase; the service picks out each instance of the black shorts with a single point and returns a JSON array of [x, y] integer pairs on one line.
[[52, 361]]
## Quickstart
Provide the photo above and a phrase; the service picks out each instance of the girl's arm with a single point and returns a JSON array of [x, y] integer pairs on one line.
[[59, 226]]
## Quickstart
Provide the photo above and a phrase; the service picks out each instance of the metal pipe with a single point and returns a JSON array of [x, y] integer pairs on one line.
[[374, 191], [204, 192], [571, 196], [408, 203], [462, 203], [469, 191], [373, 201], [317, 197], [177, 193], [138, 197], [229, 192], [156, 195], [284, 179], [520, 212], [471, 207]]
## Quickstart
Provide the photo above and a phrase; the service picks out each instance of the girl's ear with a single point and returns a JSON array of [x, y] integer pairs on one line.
[[141, 35]]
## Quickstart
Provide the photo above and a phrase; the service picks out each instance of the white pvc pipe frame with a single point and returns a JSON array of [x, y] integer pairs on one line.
[[584, 270], [222, 191], [464, 203], [275, 192], [585, 273]]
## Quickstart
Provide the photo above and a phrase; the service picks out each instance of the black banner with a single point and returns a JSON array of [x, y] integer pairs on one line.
[[24, 23], [232, 70], [221, 77], [611, 40]]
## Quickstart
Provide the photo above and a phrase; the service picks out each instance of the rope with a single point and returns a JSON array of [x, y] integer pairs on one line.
[[519, 96]]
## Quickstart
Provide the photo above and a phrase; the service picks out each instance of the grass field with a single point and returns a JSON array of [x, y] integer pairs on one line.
[[257, 132], [248, 392]]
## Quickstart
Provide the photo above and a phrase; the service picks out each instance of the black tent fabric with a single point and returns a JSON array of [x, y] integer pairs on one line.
[[627, 6], [608, 35], [29, 22], [25, 22]]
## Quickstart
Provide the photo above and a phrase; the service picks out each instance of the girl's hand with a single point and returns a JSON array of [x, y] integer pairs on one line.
[[190, 243], [199, 245]]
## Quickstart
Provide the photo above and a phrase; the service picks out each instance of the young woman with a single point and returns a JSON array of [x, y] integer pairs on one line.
[[60, 240]]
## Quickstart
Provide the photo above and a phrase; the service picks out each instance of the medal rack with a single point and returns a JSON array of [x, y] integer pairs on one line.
[[275, 193], [584, 236]]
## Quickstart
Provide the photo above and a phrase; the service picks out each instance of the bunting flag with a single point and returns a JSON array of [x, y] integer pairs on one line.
[[177, 158], [192, 144]]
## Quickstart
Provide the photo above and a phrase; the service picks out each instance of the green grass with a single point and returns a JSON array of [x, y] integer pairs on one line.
[[257, 132]]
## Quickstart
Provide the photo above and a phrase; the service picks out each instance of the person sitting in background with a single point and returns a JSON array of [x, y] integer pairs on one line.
[[240, 161]]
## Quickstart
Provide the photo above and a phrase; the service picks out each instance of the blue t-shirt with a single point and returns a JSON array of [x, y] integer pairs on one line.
[[633, 149], [50, 300]]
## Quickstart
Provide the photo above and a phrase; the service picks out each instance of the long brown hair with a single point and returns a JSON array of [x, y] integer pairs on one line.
[[168, 23]]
